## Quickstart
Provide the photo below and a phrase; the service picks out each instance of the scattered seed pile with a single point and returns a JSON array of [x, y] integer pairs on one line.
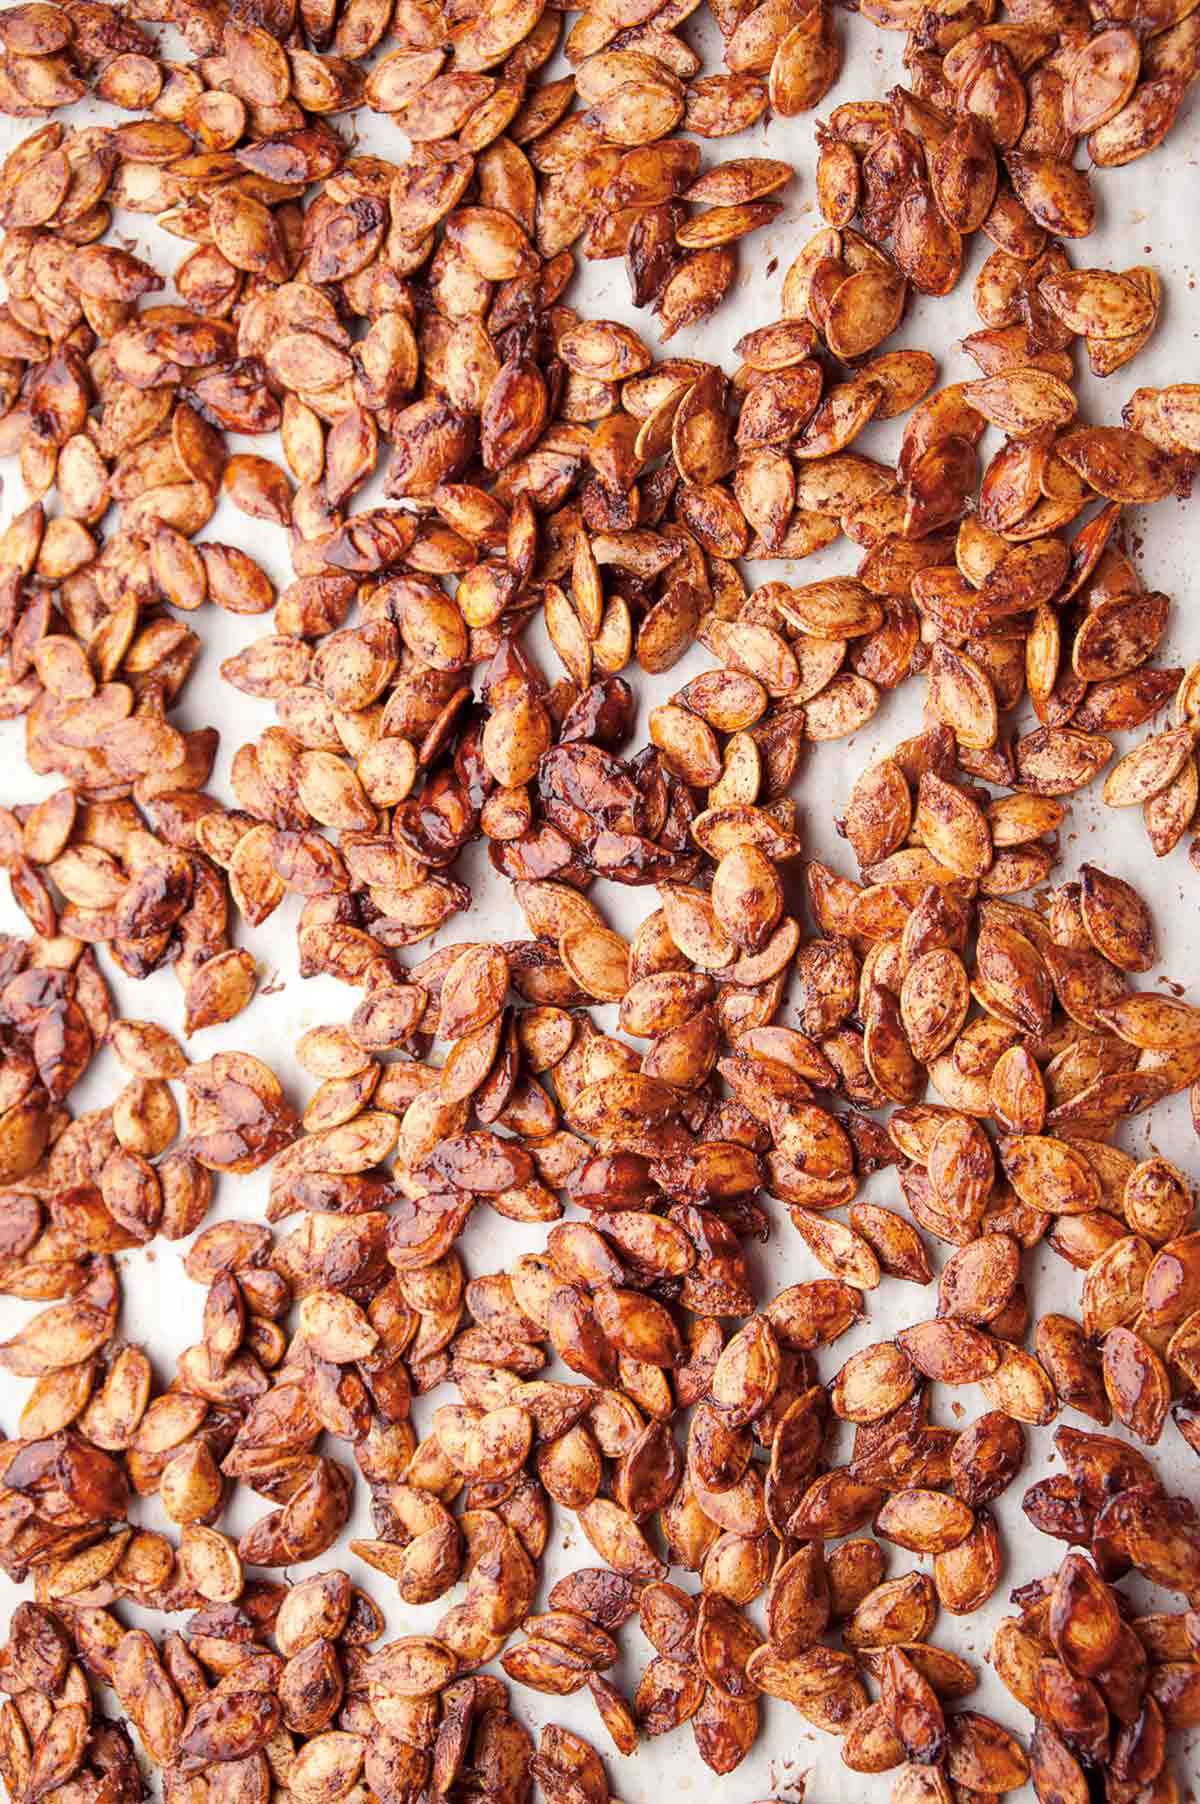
[[407, 320]]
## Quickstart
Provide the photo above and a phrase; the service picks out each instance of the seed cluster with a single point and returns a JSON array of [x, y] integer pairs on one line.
[[1104, 1684], [407, 320]]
